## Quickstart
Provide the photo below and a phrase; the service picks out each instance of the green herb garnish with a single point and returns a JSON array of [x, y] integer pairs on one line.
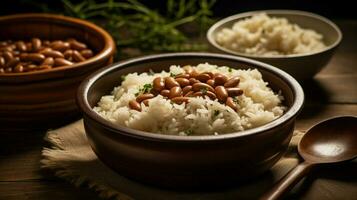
[[172, 74], [146, 88], [122, 77], [203, 90], [216, 113], [151, 72], [188, 132], [230, 69], [235, 100]]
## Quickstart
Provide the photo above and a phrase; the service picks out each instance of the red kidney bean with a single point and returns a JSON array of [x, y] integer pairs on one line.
[[175, 92], [68, 54], [221, 93], [78, 57], [211, 82], [48, 61], [194, 74], [180, 100], [60, 46], [193, 81], [220, 79], [202, 86], [52, 53], [189, 94], [7, 56], [158, 84], [13, 62], [146, 102], [87, 53], [143, 97], [43, 67], [183, 81], [36, 44], [234, 91], [210, 74], [203, 77], [165, 93], [134, 105], [2, 62], [34, 57], [232, 82], [62, 62], [230, 102], [186, 76], [21, 46], [74, 44], [211, 95], [171, 82], [186, 89]]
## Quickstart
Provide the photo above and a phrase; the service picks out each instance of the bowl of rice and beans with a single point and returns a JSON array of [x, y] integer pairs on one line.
[[298, 42], [175, 120]]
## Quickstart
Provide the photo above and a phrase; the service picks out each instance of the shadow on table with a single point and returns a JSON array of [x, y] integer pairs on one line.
[[314, 91]]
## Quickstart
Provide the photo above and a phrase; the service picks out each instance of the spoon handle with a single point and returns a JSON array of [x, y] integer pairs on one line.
[[288, 181]]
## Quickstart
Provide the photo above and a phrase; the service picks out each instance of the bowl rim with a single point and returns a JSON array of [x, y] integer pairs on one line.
[[237, 17], [109, 44], [83, 103]]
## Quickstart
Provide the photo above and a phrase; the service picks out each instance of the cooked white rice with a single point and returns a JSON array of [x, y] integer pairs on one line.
[[265, 35], [201, 116]]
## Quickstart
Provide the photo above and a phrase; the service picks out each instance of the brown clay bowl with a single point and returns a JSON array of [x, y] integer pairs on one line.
[[300, 66], [187, 161], [44, 99]]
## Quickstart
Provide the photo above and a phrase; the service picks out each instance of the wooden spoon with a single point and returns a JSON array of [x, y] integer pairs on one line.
[[331, 141]]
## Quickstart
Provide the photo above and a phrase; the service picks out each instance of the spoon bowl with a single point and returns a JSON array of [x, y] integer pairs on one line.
[[330, 141], [333, 140]]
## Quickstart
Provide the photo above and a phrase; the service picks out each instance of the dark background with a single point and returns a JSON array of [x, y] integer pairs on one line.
[[332, 9]]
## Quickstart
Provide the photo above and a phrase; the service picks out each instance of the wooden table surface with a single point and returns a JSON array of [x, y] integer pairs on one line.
[[333, 92]]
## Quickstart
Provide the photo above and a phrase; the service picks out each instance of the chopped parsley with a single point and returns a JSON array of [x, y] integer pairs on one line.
[[151, 72], [215, 114], [203, 90], [235, 99], [230, 69], [172, 74], [145, 89], [122, 77], [188, 132]]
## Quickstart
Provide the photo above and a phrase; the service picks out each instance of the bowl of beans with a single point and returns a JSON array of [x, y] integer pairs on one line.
[[43, 58], [36, 55]]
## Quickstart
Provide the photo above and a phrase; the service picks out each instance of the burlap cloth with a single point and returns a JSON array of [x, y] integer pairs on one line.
[[71, 158]]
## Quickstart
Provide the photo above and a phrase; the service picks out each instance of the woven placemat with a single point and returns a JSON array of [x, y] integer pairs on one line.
[[71, 158]]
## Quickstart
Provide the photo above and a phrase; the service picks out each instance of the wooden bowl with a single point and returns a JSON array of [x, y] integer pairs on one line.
[[43, 99], [187, 161], [300, 66]]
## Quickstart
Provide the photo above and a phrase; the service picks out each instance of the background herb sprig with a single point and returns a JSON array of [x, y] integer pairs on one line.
[[138, 29]]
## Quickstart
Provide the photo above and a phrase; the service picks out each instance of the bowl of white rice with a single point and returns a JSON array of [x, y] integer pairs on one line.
[[298, 42], [190, 119]]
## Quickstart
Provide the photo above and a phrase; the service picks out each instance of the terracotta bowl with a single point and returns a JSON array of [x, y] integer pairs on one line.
[[300, 66], [44, 99], [187, 161]]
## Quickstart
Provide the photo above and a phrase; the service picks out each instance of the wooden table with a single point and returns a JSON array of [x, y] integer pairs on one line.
[[333, 92]]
